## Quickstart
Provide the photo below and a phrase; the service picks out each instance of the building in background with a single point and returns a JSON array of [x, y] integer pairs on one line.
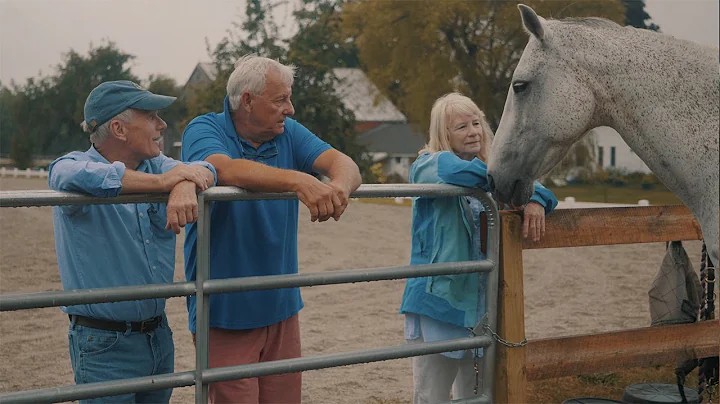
[[612, 152]]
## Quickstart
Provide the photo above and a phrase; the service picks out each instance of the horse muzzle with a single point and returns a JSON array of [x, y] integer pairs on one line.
[[513, 191]]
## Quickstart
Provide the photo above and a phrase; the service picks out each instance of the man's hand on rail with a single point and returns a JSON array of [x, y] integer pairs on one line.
[[321, 199], [182, 206]]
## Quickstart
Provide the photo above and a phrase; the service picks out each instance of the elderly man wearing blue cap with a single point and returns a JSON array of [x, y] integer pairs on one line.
[[100, 246]]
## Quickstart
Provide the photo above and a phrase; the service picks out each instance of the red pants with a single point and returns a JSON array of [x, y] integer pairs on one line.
[[240, 347]]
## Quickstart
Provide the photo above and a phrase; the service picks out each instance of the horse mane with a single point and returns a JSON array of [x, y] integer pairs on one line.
[[594, 22]]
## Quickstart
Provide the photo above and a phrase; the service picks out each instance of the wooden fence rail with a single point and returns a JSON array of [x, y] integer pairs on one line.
[[564, 356]]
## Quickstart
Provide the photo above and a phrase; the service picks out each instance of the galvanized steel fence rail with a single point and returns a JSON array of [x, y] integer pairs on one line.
[[204, 286]]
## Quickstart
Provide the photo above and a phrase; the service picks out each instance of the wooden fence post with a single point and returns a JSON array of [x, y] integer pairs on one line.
[[510, 372]]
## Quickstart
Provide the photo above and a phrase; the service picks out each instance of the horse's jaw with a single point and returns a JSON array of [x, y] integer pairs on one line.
[[514, 165], [507, 187]]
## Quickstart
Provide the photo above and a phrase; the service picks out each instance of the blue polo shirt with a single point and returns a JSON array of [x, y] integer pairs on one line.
[[249, 238], [102, 246]]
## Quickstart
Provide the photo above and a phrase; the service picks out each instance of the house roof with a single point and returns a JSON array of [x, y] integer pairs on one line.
[[392, 138], [361, 96], [209, 69]]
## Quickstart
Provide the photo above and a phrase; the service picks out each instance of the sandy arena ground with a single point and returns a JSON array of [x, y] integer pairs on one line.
[[567, 292]]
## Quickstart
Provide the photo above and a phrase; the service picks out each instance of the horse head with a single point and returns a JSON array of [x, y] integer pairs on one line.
[[549, 106]]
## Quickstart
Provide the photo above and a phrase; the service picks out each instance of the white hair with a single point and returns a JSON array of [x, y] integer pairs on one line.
[[102, 132], [444, 108], [250, 74]]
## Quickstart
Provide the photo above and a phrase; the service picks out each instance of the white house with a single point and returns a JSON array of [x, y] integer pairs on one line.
[[611, 151], [381, 127], [395, 145]]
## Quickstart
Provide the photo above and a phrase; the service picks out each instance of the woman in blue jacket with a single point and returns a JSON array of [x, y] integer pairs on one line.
[[447, 229]]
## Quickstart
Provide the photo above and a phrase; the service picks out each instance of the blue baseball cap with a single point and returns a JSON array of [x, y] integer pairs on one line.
[[113, 97]]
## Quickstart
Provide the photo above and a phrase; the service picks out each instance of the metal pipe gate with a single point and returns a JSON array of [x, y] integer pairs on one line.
[[204, 286]]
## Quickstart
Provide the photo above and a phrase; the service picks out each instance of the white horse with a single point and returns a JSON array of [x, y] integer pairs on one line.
[[661, 94]]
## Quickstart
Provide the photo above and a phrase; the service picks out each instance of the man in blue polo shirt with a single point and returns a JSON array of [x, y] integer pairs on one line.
[[101, 246], [254, 144]]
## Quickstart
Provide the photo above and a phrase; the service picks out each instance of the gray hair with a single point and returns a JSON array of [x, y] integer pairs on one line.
[[103, 131], [250, 74]]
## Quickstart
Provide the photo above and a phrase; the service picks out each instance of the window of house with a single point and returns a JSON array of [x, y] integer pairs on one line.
[[600, 156], [397, 160], [612, 156]]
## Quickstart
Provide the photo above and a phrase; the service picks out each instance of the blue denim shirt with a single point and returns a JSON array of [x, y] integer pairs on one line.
[[100, 246], [441, 232]]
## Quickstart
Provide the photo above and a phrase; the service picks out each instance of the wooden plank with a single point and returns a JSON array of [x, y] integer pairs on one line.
[[613, 351], [510, 380], [626, 225]]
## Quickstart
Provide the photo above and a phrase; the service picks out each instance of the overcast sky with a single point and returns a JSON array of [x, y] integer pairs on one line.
[[169, 36]]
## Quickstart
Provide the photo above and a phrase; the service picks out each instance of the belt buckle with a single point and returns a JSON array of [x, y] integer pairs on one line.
[[145, 325]]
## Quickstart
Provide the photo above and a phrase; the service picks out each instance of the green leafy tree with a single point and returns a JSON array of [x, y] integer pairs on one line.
[[416, 51], [636, 16], [47, 110], [8, 128], [319, 41], [76, 76], [29, 107]]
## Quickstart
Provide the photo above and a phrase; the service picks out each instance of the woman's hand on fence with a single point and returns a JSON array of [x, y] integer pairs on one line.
[[534, 221]]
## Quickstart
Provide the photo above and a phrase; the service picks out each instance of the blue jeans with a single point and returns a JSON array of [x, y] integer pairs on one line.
[[100, 355]]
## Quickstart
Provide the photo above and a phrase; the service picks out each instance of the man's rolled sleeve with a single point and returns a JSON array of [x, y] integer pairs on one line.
[[102, 180]]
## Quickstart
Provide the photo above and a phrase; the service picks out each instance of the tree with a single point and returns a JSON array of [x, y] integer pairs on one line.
[[77, 76], [416, 51], [636, 16], [48, 110], [29, 107], [8, 128], [319, 40]]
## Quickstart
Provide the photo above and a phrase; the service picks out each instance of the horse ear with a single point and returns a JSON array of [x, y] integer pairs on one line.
[[533, 24]]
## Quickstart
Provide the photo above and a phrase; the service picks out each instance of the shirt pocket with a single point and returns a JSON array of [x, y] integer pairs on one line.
[[157, 212]]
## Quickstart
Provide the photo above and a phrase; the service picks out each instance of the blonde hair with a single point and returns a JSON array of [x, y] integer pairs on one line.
[[446, 107]]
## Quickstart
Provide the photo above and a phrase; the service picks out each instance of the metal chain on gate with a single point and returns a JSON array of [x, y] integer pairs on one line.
[[505, 342], [476, 365]]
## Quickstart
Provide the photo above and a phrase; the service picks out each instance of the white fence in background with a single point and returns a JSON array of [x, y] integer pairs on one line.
[[27, 173], [568, 203]]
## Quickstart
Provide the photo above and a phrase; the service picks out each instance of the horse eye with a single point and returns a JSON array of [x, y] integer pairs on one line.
[[519, 86]]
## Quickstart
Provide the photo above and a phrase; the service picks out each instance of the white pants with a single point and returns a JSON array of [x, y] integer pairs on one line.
[[435, 375]]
